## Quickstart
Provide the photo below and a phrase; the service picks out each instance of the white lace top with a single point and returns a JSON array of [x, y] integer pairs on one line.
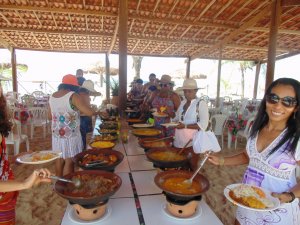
[[66, 137]]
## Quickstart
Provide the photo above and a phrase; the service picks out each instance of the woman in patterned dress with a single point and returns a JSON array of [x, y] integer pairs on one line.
[[8, 186], [166, 101], [65, 108], [272, 154]]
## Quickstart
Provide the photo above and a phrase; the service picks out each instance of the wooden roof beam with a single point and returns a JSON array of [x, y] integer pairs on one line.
[[35, 38], [239, 9], [4, 43], [205, 10], [266, 2], [236, 32], [49, 42], [56, 10], [223, 8], [282, 31], [290, 3], [4, 18], [114, 38]]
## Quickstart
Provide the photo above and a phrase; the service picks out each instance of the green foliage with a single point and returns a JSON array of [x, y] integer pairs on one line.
[[114, 86]]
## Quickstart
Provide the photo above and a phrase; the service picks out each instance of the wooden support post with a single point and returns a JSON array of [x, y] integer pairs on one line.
[[107, 77], [257, 71], [188, 67], [14, 70], [219, 79], [275, 20], [123, 19]]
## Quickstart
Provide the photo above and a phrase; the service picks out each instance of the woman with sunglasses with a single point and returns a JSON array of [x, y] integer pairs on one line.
[[272, 154], [165, 101]]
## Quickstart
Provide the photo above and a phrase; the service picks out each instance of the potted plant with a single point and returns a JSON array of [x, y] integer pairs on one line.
[[114, 86]]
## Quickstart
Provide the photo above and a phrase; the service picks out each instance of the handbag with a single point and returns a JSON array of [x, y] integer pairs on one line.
[[182, 136], [204, 141]]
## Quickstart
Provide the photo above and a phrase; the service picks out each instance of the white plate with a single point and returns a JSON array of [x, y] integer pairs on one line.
[[275, 201], [159, 115], [27, 159], [173, 124], [142, 125]]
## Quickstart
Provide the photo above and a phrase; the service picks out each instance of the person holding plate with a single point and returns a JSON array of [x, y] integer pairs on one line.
[[192, 115], [165, 101], [272, 154], [8, 186]]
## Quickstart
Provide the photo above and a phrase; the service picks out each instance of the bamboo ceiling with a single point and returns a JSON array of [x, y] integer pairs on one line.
[[189, 28]]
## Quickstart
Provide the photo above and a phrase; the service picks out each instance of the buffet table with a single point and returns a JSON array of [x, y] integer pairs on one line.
[[139, 201]]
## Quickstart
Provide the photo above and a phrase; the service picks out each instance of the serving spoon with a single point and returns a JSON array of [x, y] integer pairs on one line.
[[184, 147], [190, 180], [75, 181], [159, 139]]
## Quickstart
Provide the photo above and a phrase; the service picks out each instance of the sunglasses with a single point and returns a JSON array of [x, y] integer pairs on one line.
[[164, 85], [285, 101]]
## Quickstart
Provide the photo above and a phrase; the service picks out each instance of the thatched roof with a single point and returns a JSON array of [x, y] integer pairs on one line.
[[190, 28]]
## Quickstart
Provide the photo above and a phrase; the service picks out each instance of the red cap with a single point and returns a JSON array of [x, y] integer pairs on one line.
[[70, 79]]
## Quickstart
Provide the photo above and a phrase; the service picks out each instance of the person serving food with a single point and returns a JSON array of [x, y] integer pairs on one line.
[[272, 154]]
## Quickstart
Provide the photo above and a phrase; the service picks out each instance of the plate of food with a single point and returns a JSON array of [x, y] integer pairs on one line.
[[251, 197], [39, 157], [172, 124], [160, 114], [142, 125]]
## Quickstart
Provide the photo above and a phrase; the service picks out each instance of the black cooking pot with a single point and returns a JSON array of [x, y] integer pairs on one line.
[[63, 188], [165, 163], [108, 167], [162, 176]]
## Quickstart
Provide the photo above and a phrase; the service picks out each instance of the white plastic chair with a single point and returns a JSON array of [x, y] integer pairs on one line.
[[218, 122], [245, 132], [38, 119], [17, 138], [28, 100]]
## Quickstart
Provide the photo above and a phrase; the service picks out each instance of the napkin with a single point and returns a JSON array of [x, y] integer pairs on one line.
[[204, 141]]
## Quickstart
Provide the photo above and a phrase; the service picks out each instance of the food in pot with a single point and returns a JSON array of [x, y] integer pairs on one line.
[[146, 132], [177, 185], [108, 131], [105, 159], [108, 125], [102, 144], [92, 185], [105, 137], [155, 144], [134, 120], [250, 196], [166, 156]]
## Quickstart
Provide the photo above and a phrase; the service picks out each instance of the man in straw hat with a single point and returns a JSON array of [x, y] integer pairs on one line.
[[85, 91], [192, 115]]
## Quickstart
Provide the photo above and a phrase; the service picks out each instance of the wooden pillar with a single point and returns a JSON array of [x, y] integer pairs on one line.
[[123, 18], [257, 71], [219, 79], [188, 67], [14, 70], [107, 77], [275, 20]]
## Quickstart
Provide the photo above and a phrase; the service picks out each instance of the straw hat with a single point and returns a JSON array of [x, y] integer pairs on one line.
[[189, 84], [166, 79], [70, 79], [89, 85]]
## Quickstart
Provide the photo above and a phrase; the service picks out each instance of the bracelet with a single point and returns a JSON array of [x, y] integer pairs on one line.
[[221, 161], [290, 194]]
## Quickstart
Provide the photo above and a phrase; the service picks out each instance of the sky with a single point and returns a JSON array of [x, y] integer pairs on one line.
[[52, 66]]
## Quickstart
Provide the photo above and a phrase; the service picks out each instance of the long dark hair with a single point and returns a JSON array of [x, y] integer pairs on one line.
[[293, 124], [68, 87], [5, 124]]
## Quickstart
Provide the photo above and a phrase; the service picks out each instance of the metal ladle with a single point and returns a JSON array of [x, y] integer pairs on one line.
[[75, 181], [190, 181]]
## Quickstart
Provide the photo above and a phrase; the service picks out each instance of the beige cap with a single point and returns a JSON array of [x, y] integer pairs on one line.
[[189, 84], [165, 79]]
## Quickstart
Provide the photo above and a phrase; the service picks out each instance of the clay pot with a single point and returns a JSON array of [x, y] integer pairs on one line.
[[183, 211], [89, 214]]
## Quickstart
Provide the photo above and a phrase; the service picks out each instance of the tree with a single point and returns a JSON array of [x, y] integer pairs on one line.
[[137, 64], [244, 66]]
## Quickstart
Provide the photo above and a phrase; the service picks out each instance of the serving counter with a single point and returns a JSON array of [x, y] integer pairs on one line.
[[139, 201]]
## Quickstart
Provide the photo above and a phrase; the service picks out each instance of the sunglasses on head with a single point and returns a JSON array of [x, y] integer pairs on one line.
[[164, 85], [285, 101]]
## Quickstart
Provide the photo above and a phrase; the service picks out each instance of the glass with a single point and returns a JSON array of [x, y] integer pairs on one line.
[[286, 101], [124, 136]]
